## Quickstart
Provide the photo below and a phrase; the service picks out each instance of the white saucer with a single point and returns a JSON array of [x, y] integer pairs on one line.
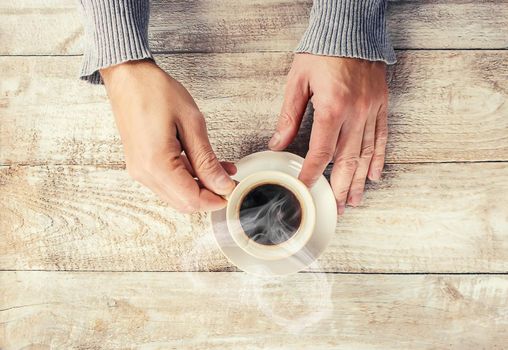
[[326, 218]]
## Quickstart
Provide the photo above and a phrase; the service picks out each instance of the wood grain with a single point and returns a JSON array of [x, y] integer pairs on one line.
[[40, 27], [245, 25], [444, 106], [420, 218], [234, 311], [277, 25]]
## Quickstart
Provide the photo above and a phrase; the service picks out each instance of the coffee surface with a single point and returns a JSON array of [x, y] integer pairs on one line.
[[270, 214]]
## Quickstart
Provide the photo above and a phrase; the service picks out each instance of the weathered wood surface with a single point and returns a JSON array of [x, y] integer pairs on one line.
[[40, 27], [63, 310], [420, 218], [53, 27], [277, 25], [71, 206], [445, 106]]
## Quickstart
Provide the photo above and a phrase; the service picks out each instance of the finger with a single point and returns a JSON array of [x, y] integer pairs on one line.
[[381, 137], [201, 156], [170, 179], [181, 190], [346, 160], [228, 166], [296, 96], [187, 164], [181, 199], [358, 184], [322, 145]]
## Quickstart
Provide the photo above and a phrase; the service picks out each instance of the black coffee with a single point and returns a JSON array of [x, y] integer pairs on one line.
[[270, 214]]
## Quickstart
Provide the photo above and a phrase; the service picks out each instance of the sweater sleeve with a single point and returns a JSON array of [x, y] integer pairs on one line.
[[348, 28], [116, 31]]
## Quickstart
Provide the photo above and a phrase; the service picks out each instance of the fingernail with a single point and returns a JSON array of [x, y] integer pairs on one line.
[[274, 141], [341, 208]]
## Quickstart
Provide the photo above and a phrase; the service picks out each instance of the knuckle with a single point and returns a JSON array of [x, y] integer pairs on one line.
[[363, 104], [378, 158], [348, 163], [196, 115], [340, 193], [367, 151], [321, 155], [196, 119], [344, 94], [286, 119], [330, 110], [206, 160], [357, 186], [329, 115]]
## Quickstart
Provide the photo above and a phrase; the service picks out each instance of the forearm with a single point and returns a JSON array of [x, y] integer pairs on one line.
[[348, 28], [116, 32]]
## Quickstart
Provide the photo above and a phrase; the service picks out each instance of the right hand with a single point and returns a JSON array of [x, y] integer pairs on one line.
[[158, 120]]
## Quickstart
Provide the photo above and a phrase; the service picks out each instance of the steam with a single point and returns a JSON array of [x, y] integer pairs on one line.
[[270, 214], [295, 302]]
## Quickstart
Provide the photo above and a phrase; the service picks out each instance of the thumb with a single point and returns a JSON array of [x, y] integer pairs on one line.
[[296, 97], [202, 158]]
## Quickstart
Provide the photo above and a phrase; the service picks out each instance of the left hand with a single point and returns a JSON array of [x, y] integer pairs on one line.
[[350, 98]]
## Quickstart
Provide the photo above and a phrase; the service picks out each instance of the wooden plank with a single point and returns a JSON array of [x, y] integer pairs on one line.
[[445, 106], [234, 311], [420, 218], [278, 25], [245, 25], [40, 27]]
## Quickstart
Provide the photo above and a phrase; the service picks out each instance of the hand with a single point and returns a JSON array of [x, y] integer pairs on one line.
[[158, 119], [350, 98]]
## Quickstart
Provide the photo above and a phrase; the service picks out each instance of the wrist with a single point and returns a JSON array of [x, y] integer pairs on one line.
[[125, 69]]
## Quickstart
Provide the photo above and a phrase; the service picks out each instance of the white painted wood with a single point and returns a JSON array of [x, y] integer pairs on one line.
[[420, 218], [445, 106], [62, 310], [51, 27], [40, 27], [275, 25]]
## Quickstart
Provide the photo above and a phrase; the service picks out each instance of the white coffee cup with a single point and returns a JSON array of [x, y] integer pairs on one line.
[[276, 251], [274, 260]]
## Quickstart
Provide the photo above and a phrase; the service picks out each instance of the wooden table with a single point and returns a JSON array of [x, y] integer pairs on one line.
[[91, 260]]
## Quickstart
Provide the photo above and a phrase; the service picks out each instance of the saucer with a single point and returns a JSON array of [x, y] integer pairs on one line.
[[325, 224]]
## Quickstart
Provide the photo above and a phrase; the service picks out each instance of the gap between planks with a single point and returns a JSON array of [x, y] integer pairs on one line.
[[444, 107], [328, 169], [415, 220], [301, 272], [170, 52], [233, 311]]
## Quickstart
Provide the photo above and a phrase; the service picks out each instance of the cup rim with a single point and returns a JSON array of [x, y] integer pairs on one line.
[[292, 245]]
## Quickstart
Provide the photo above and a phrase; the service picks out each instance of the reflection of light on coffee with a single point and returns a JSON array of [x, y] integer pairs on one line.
[[270, 214]]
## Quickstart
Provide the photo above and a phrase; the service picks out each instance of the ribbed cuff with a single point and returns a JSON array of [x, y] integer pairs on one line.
[[117, 31], [348, 28]]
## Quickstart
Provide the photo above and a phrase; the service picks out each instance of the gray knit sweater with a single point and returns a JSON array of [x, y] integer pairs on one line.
[[117, 31]]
